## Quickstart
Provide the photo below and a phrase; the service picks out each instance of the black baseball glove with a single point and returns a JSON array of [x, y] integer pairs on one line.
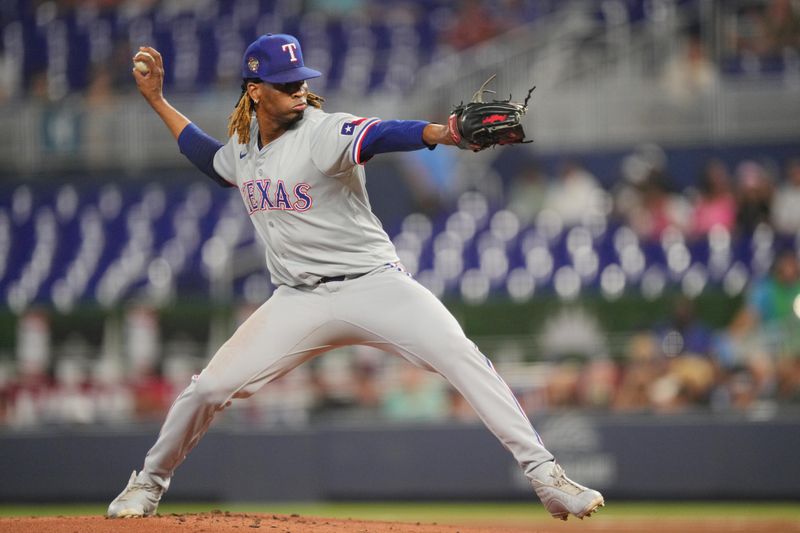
[[478, 124]]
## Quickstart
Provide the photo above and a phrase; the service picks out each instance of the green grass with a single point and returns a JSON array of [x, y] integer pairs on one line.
[[445, 512]]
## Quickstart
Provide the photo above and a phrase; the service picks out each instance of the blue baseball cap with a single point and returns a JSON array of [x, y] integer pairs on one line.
[[276, 58]]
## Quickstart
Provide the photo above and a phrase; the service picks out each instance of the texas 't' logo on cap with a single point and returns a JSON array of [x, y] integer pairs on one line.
[[276, 58]]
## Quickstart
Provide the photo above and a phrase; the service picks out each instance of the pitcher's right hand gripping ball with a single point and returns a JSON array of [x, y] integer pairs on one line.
[[478, 124]]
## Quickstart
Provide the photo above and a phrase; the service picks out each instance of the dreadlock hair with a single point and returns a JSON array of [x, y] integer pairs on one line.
[[239, 121]]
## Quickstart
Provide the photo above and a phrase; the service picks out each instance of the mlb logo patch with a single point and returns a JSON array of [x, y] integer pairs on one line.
[[349, 127]]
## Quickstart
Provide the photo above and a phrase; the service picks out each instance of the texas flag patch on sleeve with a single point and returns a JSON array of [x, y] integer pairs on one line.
[[349, 127]]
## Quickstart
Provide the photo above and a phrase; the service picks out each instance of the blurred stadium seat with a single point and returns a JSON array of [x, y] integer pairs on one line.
[[86, 243]]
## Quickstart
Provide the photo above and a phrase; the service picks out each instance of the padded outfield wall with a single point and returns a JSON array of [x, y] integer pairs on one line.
[[627, 457]]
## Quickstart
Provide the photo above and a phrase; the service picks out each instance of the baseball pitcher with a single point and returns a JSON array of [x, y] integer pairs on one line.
[[300, 173]]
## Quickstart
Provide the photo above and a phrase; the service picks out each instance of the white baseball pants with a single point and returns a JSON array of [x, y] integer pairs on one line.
[[386, 309]]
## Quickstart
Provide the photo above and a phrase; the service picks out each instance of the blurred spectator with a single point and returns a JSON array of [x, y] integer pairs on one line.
[[33, 342], [7, 381], [764, 337], [685, 334], [60, 120], [716, 204], [100, 89], [782, 26], [368, 363], [695, 379], [669, 369], [473, 24], [152, 394], [627, 191], [33, 382], [785, 212], [574, 194], [562, 385], [143, 346], [287, 402], [772, 303], [687, 344], [29, 397], [100, 123], [416, 395], [114, 401], [766, 35], [750, 37], [642, 199], [178, 369], [333, 380], [526, 194], [70, 401], [598, 384], [459, 408], [641, 368], [691, 73], [739, 390], [657, 209], [142, 338], [9, 79], [754, 197], [789, 378]]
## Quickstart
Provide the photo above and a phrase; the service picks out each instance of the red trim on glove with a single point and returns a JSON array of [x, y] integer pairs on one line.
[[491, 119], [452, 126]]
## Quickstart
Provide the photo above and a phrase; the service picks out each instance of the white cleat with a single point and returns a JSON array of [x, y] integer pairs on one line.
[[561, 496], [137, 500]]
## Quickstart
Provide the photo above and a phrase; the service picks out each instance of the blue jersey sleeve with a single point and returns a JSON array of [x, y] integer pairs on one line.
[[392, 136], [200, 148]]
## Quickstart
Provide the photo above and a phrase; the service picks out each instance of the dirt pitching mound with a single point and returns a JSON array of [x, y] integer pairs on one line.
[[214, 522], [219, 521]]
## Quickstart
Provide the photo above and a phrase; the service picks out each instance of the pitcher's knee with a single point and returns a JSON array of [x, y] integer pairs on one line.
[[211, 392]]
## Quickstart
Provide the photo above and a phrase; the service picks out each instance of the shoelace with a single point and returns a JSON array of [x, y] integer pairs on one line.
[[148, 487], [560, 479]]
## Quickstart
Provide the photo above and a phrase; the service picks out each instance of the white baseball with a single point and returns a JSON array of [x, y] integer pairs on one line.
[[141, 66]]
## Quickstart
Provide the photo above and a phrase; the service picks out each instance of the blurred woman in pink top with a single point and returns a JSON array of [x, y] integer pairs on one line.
[[716, 203]]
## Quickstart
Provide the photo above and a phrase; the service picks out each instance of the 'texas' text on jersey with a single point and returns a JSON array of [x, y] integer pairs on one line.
[[264, 194]]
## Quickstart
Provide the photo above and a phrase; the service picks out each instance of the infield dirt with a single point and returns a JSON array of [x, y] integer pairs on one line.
[[215, 522]]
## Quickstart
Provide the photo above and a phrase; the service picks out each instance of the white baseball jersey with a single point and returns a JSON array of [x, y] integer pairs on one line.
[[306, 196]]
